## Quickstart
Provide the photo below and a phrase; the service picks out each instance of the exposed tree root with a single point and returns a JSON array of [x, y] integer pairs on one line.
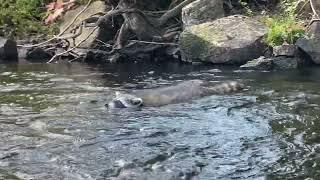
[[149, 28], [71, 49], [315, 15]]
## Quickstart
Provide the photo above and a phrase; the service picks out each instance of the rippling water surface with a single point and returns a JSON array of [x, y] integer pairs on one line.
[[53, 125]]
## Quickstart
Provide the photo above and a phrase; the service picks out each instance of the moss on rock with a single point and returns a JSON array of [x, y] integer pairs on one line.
[[233, 39]]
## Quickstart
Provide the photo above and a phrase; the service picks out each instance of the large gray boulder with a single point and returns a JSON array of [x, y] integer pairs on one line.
[[232, 40], [311, 44], [8, 49], [201, 11]]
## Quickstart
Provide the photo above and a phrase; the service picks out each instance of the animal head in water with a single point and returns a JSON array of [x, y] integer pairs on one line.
[[123, 100]]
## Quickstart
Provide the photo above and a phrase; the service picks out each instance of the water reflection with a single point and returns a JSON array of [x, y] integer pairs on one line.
[[53, 124]]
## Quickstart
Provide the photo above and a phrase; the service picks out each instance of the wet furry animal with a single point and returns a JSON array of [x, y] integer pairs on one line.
[[181, 92]]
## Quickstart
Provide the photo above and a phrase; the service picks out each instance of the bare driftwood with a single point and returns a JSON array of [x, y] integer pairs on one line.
[[315, 15]]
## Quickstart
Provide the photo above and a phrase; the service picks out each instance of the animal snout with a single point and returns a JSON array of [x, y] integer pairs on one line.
[[136, 101]]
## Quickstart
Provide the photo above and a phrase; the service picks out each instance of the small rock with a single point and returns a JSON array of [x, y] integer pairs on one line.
[[8, 49], [279, 63], [288, 50], [282, 62], [37, 54], [260, 63]]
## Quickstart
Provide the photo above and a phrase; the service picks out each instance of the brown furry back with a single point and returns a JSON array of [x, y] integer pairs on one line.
[[185, 91]]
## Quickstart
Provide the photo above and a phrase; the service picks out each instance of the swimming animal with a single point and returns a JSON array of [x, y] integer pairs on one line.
[[181, 92]]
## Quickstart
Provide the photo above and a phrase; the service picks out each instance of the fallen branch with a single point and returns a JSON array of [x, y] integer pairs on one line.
[[313, 20], [302, 7], [104, 44], [315, 16], [173, 12], [156, 43], [71, 49], [115, 12]]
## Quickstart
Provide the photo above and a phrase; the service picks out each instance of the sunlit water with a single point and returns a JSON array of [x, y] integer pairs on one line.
[[53, 125]]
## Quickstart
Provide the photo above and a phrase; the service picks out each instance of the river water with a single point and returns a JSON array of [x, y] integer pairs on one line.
[[53, 124]]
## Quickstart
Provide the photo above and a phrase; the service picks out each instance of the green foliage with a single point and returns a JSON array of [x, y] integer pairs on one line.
[[283, 30], [23, 17], [246, 8], [288, 7], [284, 27]]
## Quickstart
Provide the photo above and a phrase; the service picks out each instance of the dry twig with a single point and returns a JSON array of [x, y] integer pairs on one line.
[[71, 49], [315, 16]]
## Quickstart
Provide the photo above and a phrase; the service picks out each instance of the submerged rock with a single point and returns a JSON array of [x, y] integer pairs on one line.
[[283, 62], [38, 54], [311, 44], [260, 63], [278, 63], [231, 40], [201, 11], [8, 49]]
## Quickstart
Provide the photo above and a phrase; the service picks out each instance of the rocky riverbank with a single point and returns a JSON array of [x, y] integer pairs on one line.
[[195, 31]]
